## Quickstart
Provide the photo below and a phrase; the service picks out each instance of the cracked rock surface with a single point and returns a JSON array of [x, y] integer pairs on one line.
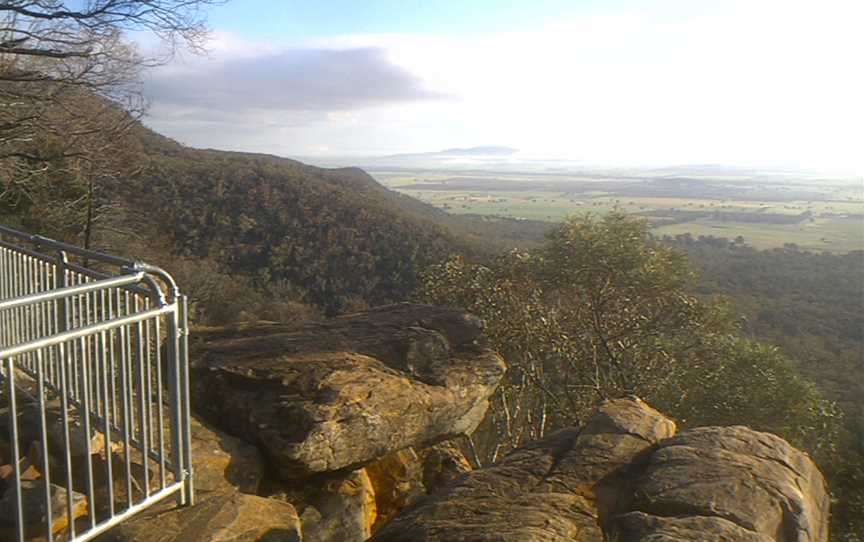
[[339, 394], [552, 489], [754, 480], [625, 476]]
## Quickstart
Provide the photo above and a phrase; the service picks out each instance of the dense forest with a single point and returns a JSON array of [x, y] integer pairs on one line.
[[807, 303]]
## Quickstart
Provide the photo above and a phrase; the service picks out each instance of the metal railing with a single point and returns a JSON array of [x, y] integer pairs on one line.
[[95, 384]]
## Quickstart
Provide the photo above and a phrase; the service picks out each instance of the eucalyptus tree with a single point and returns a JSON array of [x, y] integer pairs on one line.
[[600, 311]]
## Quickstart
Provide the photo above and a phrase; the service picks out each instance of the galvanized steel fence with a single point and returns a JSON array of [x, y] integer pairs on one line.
[[94, 367]]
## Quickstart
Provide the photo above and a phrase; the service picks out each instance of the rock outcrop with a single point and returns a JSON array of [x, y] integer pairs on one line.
[[754, 480], [624, 476], [548, 490], [223, 516], [340, 394], [352, 418]]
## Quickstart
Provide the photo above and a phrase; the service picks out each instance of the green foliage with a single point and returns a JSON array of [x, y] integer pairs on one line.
[[334, 235], [809, 304], [601, 310]]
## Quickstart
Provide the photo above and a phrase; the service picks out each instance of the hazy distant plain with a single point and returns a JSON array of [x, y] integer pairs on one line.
[[767, 209]]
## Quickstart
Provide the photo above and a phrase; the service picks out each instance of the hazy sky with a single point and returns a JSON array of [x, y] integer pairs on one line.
[[612, 81]]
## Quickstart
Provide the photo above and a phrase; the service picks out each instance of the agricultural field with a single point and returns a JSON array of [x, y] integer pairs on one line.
[[766, 210]]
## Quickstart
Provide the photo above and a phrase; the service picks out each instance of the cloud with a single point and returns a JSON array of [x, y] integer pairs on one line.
[[738, 82], [295, 80]]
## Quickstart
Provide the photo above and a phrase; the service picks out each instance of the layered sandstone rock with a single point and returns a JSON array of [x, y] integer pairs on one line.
[[754, 480], [222, 516], [340, 394], [552, 489], [625, 477]]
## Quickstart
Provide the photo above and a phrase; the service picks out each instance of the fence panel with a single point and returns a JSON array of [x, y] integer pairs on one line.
[[95, 387]]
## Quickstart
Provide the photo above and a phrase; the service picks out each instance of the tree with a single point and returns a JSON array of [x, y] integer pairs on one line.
[[56, 57], [601, 311]]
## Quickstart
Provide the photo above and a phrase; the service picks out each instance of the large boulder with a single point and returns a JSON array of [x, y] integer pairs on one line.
[[552, 489], [756, 481], [337, 395], [624, 476]]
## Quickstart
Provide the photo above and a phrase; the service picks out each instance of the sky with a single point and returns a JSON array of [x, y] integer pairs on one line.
[[613, 82]]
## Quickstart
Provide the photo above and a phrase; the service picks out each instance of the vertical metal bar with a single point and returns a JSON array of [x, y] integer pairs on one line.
[[43, 434], [16, 453], [174, 397], [85, 418], [160, 413], [106, 421], [142, 399], [64, 412], [124, 427], [183, 362]]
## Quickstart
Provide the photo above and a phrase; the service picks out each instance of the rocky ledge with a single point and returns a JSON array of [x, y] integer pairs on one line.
[[351, 416], [340, 394]]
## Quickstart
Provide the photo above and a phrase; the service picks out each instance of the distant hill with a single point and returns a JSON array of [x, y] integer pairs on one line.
[[457, 157], [470, 151]]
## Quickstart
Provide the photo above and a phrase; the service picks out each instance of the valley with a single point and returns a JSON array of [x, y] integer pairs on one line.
[[762, 209]]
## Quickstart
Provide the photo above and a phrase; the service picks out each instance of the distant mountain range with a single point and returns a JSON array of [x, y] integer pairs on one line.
[[453, 158], [470, 151]]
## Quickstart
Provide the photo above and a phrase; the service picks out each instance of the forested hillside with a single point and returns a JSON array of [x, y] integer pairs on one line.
[[332, 239], [809, 304], [331, 234]]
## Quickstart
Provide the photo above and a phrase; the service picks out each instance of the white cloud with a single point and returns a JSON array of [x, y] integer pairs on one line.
[[750, 82]]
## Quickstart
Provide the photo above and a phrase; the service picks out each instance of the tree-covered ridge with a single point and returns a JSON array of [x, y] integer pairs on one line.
[[333, 235]]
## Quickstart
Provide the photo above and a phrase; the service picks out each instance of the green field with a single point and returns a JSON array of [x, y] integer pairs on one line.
[[831, 234], [834, 209]]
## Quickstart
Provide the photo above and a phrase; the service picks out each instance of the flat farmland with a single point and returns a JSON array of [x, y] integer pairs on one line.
[[815, 214], [822, 234]]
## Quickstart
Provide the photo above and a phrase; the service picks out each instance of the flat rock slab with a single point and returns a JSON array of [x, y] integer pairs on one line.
[[554, 489], [339, 394]]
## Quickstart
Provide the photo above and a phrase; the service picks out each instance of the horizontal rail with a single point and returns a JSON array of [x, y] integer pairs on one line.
[[70, 291], [44, 242], [85, 331], [134, 509]]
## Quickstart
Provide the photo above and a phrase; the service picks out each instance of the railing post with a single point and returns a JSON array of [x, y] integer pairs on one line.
[[178, 455], [9, 365], [183, 362], [62, 281]]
